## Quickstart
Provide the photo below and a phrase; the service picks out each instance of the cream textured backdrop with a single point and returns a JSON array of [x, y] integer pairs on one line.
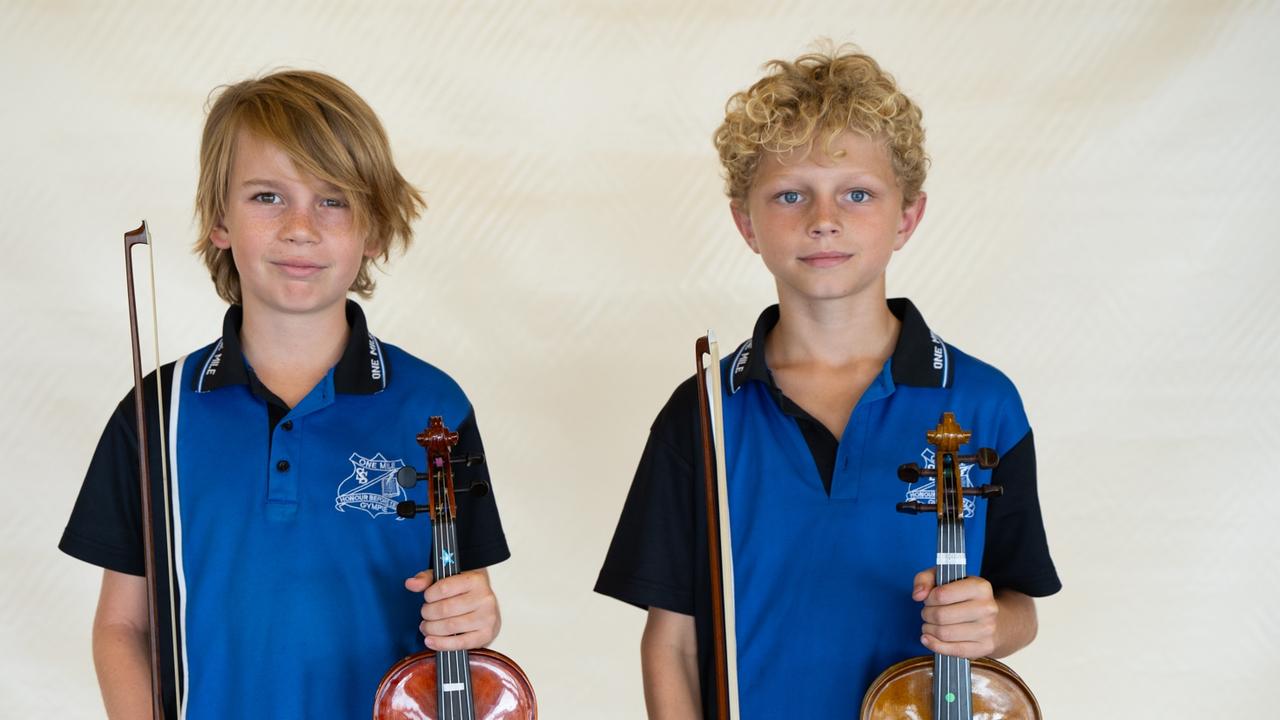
[[1100, 226]]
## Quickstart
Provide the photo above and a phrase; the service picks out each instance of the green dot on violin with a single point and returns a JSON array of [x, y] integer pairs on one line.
[[951, 697]]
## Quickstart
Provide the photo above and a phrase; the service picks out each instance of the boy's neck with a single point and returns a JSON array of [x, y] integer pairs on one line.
[[291, 353], [833, 333]]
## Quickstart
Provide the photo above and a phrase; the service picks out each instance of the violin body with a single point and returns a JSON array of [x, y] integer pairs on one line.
[[906, 691], [500, 690]]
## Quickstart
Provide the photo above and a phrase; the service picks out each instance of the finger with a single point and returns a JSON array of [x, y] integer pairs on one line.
[[974, 632], [419, 582], [922, 584], [458, 625], [963, 590], [455, 585], [459, 605], [956, 649], [968, 611], [465, 641]]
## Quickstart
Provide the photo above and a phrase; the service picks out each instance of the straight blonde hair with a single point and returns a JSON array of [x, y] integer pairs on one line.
[[330, 133]]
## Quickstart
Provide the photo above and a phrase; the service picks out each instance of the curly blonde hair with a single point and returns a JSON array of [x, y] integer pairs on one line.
[[820, 95], [329, 132]]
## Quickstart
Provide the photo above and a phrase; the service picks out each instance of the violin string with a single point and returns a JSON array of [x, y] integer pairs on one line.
[[952, 671], [455, 702], [950, 568], [463, 656], [442, 706], [437, 545]]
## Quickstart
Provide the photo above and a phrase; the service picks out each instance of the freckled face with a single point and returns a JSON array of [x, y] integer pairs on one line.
[[292, 235], [826, 225]]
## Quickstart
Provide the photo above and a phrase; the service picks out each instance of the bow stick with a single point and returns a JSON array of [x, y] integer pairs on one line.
[[719, 537], [142, 236]]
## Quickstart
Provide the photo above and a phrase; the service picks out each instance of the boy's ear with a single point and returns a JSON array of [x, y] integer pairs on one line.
[[742, 219], [371, 249], [219, 236], [910, 219]]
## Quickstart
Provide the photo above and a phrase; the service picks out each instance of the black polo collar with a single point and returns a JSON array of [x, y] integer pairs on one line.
[[920, 358], [362, 369]]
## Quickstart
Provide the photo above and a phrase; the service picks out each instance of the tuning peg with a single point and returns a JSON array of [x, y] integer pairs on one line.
[[408, 509], [408, 476], [986, 458], [916, 507], [985, 491], [467, 459], [479, 489], [909, 472]]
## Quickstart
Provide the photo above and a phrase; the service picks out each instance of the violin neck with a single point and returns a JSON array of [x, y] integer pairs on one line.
[[952, 693], [453, 667]]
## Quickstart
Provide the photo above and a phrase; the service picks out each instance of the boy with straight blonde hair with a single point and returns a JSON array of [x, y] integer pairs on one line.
[[285, 437], [824, 161]]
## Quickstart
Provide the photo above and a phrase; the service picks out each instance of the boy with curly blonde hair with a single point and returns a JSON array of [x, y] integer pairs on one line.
[[824, 162], [294, 586]]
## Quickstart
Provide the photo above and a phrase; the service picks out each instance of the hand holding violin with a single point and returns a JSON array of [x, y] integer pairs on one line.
[[966, 618], [458, 613]]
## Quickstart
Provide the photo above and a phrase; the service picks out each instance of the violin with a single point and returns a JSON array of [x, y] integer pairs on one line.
[[942, 687], [477, 684]]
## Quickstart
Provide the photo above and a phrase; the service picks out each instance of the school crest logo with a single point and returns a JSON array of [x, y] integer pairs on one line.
[[371, 486], [926, 490]]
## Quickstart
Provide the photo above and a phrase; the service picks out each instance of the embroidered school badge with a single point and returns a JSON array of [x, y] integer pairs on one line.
[[926, 491], [371, 486]]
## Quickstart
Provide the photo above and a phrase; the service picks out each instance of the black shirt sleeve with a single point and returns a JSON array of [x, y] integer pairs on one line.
[[105, 527], [1016, 551], [650, 561], [480, 538]]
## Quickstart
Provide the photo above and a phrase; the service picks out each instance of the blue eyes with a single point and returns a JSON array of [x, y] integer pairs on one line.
[[794, 197], [267, 197]]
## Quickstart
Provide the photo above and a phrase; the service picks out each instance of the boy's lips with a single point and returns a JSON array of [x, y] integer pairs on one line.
[[298, 268], [825, 259]]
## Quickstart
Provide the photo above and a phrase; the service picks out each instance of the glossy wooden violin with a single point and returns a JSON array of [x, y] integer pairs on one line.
[[942, 687], [477, 684]]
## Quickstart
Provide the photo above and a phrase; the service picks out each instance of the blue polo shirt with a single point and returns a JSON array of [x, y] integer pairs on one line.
[[823, 562], [288, 557]]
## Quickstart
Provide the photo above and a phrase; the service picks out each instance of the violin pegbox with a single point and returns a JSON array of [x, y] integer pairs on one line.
[[438, 441], [947, 438]]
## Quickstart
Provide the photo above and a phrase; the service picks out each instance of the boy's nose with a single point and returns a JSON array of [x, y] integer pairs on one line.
[[299, 226], [823, 222]]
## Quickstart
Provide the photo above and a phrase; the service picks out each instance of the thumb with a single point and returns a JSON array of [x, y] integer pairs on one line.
[[922, 584], [419, 582]]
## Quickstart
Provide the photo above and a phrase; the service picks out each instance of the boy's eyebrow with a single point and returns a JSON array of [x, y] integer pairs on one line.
[[852, 175], [325, 185]]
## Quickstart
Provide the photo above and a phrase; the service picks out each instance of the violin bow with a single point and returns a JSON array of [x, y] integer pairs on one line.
[[142, 236], [719, 537]]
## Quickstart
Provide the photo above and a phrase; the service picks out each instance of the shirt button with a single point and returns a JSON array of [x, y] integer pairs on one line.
[[283, 465], [287, 424]]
